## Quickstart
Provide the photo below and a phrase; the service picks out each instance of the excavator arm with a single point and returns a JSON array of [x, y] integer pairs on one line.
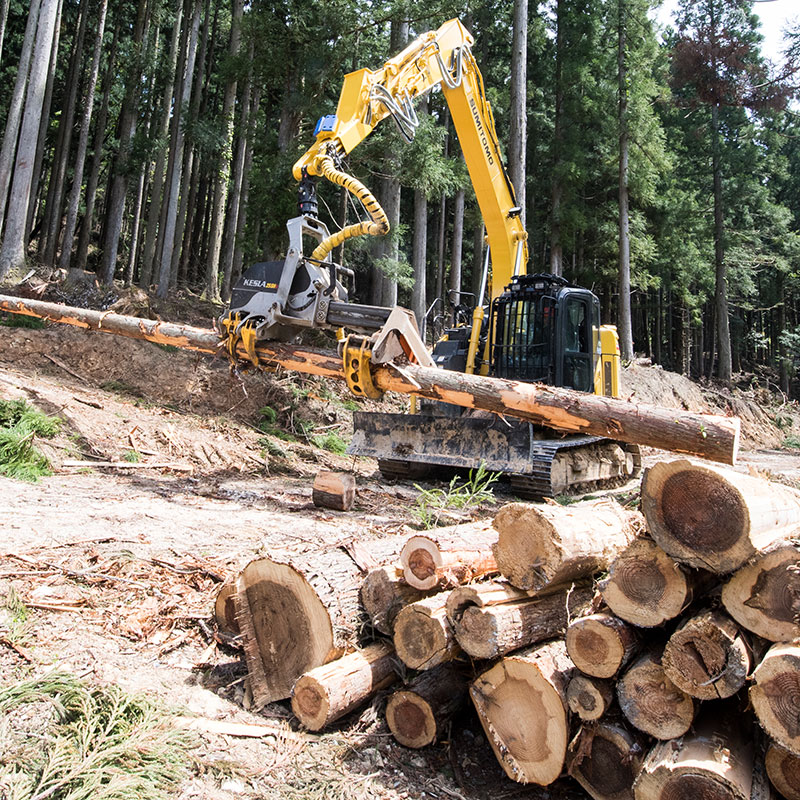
[[436, 58]]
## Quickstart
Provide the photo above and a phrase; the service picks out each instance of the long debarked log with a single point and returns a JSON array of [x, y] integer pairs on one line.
[[326, 693], [707, 436]]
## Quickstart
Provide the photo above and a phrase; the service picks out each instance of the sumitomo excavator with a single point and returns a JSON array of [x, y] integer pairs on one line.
[[538, 327]]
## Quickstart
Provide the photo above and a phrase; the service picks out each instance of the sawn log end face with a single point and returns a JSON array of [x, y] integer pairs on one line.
[[410, 720], [775, 695], [783, 769]]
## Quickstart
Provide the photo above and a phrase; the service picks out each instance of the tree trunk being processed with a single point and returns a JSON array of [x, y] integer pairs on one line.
[[482, 595], [336, 490], [328, 692], [446, 557], [651, 702], [518, 132], [764, 595], [714, 518], [775, 694], [548, 545], [418, 714], [563, 409], [522, 704], [647, 588]]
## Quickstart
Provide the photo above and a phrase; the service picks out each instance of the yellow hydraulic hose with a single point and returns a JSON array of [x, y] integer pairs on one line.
[[379, 223]]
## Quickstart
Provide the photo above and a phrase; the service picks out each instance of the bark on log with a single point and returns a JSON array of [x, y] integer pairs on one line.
[[335, 490], [225, 610], [418, 714], [775, 695], [548, 545], [423, 636], [783, 770], [589, 697], [651, 702], [448, 557], [600, 644], [714, 518], [716, 762], [707, 656], [326, 693], [764, 595], [605, 759], [522, 704], [496, 630], [383, 593], [482, 595], [647, 588], [712, 437]]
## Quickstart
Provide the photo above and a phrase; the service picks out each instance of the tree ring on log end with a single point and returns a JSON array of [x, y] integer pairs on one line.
[[410, 720], [592, 646], [783, 769], [783, 693], [702, 512], [419, 639], [604, 769], [642, 582], [422, 561], [697, 787], [310, 703], [790, 772]]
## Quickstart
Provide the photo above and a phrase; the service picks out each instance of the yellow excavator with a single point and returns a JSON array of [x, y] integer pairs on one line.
[[538, 327]]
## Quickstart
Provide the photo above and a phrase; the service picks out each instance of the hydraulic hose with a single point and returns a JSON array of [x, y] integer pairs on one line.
[[378, 224]]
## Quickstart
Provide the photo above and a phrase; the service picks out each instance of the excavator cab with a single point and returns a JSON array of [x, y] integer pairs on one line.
[[544, 330]]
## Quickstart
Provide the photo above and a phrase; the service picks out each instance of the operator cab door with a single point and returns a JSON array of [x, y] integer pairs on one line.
[[577, 337]]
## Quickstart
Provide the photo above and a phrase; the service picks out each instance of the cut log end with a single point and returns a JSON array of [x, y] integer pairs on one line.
[[522, 707], [645, 587], [410, 719], [775, 696], [783, 770], [225, 610], [600, 644], [589, 697], [707, 657], [310, 703], [334, 490], [651, 702], [423, 637], [421, 562]]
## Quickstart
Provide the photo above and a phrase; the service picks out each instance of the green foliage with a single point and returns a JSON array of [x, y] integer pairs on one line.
[[20, 423], [792, 441], [67, 740], [332, 442], [271, 447], [432, 505], [21, 321], [15, 620], [132, 456]]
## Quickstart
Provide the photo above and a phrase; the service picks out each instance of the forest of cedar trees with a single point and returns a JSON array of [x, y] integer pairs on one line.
[[151, 143]]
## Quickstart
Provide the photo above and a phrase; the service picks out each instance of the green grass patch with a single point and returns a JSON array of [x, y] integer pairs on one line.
[[269, 447], [432, 505], [331, 442], [792, 441], [15, 618], [20, 424], [21, 321], [132, 456], [66, 740]]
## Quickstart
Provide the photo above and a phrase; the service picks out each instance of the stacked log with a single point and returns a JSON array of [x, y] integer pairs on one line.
[[602, 650]]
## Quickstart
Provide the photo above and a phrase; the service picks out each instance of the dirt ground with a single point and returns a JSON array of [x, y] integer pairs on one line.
[[120, 566]]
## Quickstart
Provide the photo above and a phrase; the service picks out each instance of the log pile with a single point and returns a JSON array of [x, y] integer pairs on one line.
[[648, 656]]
